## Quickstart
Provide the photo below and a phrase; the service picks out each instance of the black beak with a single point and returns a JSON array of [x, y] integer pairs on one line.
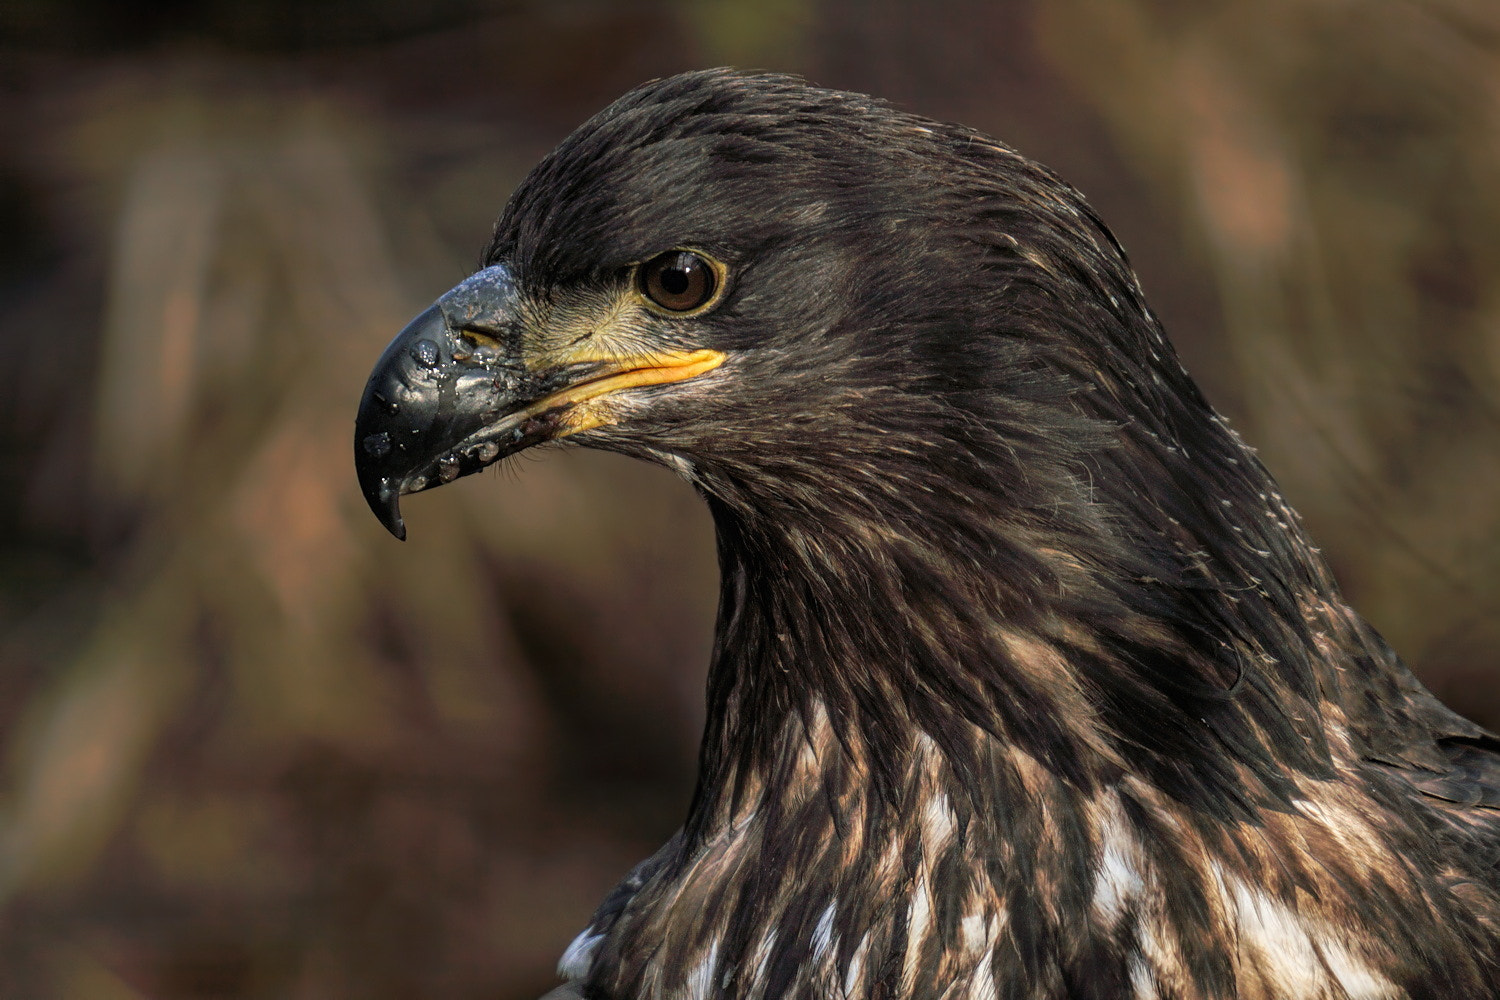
[[445, 399], [453, 394]]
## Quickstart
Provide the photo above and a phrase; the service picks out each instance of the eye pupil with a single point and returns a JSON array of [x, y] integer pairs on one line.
[[678, 280]]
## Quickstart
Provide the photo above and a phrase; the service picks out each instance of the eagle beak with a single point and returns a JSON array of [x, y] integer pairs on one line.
[[435, 406], [453, 393]]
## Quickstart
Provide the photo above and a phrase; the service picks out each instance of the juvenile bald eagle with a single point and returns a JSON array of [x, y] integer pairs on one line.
[[1026, 682]]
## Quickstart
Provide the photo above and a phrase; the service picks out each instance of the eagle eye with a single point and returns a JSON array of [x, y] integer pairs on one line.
[[679, 281]]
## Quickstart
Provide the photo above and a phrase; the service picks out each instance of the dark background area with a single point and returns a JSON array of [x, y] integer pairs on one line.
[[253, 747]]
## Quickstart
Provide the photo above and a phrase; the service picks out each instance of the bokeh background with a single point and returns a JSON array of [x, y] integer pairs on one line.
[[253, 747]]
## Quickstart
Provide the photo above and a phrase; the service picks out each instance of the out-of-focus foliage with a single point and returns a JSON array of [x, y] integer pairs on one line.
[[255, 748]]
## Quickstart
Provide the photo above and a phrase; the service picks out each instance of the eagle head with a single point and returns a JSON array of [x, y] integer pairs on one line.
[[776, 289]]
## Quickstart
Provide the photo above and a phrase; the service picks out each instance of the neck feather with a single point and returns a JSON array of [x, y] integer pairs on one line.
[[967, 729], [1052, 608]]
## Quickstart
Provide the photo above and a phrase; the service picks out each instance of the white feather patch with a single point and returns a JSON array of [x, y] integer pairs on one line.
[[1118, 881], [1303, 957], [937, 822], [700, 982], [575, 962], [822, 936]]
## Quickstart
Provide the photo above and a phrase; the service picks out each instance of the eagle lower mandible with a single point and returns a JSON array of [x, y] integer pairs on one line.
[[1026, 681]]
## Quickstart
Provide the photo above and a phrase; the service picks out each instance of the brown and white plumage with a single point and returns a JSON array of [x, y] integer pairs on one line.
[[1026, 682]]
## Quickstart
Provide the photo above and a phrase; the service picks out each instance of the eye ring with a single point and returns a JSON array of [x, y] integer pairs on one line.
[[681, 282]]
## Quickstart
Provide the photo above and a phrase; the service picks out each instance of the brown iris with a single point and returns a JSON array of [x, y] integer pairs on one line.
[[679, 280]]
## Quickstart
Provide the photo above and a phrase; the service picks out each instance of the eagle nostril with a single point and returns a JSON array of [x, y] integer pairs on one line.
[[478, 346], [478, 339]]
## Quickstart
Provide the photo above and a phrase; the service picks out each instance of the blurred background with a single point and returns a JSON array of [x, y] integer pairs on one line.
[[253, 747]]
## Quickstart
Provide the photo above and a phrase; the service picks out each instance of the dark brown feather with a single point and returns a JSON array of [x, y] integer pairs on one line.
[[1027, 682]]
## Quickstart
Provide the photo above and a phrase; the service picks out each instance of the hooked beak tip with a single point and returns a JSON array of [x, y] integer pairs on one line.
[[385, 503]]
